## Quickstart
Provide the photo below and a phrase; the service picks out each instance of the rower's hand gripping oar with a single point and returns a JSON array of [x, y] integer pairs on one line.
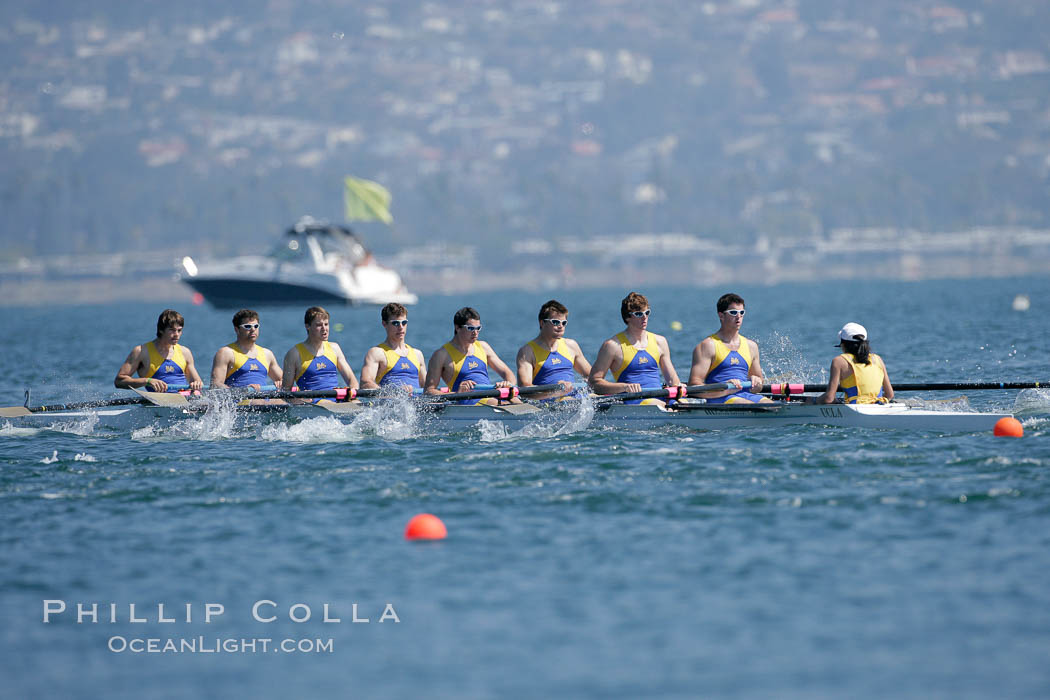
[[494, 393], [669, 392]]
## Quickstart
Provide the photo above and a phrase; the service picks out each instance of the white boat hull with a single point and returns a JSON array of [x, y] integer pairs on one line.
[[631, 417]]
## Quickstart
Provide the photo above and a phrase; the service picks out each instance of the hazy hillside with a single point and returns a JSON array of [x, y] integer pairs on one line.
[[209, 127]]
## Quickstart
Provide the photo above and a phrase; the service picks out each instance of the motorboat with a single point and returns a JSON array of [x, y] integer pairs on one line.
[[315, 263]]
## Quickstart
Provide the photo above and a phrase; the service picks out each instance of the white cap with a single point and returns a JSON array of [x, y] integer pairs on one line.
[[851, 330]]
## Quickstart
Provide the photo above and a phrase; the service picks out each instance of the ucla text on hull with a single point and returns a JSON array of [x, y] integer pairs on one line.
[[315, 263]]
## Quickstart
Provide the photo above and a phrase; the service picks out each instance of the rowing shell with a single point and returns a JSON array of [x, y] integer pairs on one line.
[[893, 416]]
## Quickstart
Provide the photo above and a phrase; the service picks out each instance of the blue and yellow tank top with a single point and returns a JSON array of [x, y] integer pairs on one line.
[[317, 372], [474, 366], [731, 364], [865, 384], [552, 365], [639, 366], [171, 371], [400, 370], [247, 370]]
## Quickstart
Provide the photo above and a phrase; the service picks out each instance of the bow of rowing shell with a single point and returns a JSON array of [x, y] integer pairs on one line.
[[638, 417]]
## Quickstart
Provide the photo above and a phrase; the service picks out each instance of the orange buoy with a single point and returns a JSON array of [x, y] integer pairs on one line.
[[425, 527], [1008, 426]]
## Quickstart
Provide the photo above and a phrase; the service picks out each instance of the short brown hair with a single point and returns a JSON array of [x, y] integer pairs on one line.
[[552, 307], [726, 299], [244, 315], [464, 315], [169, 318], [393, 310], [632, 302], [313, 313]]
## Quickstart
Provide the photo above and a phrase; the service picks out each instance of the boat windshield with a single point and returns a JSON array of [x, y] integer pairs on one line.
[[291, 248], [333, 245], [342, 245]]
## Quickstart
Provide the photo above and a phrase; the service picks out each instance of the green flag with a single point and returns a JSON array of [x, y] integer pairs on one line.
[[364, 200]]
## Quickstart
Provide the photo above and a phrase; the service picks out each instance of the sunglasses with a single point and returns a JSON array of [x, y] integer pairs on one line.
[[556, 322], [734, 312], [250, 326], [472, 329], [640, 314], [398, 324]]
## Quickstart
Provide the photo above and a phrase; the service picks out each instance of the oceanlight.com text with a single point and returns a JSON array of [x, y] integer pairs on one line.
[[218, 645]]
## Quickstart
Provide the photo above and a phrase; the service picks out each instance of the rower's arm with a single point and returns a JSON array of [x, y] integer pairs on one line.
[[499, 365], [436, 371], [703, 353], [666, 365], [273, 369], [290, 369], [344, 367], [609, 353], [755, 372], [579, 363], [703, 356], [196, 384], [834, 377], [887, 388], [219, 366], [125, 378], [423, 371], [370, 368], [525, 360]]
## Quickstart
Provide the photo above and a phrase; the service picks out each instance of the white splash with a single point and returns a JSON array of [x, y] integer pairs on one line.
[[312, 430], [50, 460], [555, 420]]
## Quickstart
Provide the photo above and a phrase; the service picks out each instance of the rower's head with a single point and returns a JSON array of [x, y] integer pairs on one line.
[[634, 310], [466, 324], [316, 321], [395, 320], [246, 324], [731, 310], [853, 339], [169, 325], [553, 318]]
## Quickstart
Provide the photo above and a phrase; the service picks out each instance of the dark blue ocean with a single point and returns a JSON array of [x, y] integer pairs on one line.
[[791, 562]]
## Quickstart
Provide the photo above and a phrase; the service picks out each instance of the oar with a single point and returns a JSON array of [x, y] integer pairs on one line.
[[339, 394], [157, 398], [494, 393], [668, 392], [786, 389], [142, 397], [17, 411]]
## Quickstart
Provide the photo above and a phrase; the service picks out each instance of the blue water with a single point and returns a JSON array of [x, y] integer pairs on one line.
[[793, 562]]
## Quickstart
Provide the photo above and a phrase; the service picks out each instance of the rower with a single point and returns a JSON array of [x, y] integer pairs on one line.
[[858, 372], [316, 363], [550, 357], [726, 356], [243, 363], [636, 357], [393, 362], [464, 361], [161, 361]]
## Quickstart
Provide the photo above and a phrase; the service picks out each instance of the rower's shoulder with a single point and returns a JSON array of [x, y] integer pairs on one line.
[[227, 350], [571, 342]]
